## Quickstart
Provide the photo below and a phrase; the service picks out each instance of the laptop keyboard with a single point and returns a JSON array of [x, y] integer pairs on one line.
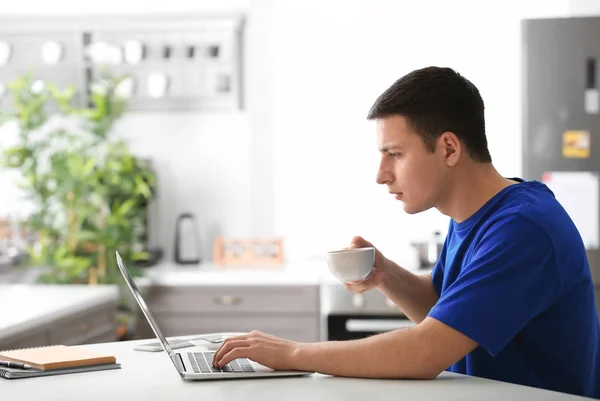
[[202, 363]]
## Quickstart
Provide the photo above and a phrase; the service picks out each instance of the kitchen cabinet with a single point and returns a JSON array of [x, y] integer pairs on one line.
[[91, 326], [290, 311], [67, 314]]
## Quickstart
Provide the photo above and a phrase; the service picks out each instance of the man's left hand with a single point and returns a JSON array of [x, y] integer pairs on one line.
[[268, 350]]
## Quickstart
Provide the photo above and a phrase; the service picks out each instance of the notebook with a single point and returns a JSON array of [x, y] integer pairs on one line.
[[56, 357], [12, 373]]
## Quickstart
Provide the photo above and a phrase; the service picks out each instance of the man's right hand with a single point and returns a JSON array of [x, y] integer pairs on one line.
[[413, 294], [378, 273]]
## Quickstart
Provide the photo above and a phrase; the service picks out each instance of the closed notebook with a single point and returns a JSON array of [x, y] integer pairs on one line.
[[13, 373], [56, 357]]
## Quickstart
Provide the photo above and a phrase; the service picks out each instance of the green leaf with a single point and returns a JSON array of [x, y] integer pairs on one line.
[[60, 255], [19, 83], [125, 207], [141, 187], [139, 256], [100, 102], [75, 164], [15, 157], [78, 265], [87, 235], [90, 114], [63, 98], [88, 166]]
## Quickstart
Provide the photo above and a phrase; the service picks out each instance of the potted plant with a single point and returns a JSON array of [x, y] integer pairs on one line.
[[89, 192]]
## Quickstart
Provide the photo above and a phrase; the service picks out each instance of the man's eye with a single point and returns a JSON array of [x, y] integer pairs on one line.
[[394, 155]]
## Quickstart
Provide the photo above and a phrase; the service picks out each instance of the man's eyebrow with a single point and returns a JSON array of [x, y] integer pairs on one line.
[[386, 148]]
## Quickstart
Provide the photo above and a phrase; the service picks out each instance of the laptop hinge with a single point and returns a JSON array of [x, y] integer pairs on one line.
[[181, 362]]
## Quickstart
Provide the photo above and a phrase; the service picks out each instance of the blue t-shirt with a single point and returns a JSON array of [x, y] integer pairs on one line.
[[514, 277]]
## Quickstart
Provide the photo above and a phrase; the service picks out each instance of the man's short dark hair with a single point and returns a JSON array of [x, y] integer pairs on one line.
[[435, 100]]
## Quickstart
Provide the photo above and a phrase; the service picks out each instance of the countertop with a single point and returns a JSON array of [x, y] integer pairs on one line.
[[33, 305], [29, 306], [207, 273], [171, 274], [152, 376]]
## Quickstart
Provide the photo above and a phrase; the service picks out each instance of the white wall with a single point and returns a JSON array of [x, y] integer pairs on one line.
[[301, 161], [109, 7], [332, 61], [584, 7]]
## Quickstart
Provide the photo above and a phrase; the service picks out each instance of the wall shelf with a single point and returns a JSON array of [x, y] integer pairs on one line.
[[174, 63]]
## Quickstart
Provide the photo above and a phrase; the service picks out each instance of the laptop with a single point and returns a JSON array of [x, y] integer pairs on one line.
[[197, 365]]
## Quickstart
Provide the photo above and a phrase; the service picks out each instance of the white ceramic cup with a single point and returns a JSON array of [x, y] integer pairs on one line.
[[351, 264]]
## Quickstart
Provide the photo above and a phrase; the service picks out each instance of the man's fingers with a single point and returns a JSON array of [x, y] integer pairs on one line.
[[238, 352], [357, 285], [228, 345], [355, 288], [359, 242], [355, 243]]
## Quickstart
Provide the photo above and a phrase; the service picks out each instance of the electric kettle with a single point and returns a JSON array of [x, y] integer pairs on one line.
[[186, 240]]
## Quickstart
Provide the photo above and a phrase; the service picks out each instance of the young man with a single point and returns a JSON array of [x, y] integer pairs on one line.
[[511, 297]]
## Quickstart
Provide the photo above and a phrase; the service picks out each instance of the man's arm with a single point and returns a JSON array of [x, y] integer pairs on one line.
[[420, 352], [414, 294]]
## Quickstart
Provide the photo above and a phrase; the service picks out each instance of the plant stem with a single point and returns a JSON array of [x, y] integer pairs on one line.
[[102, 260], [93, 276], [71, 240]]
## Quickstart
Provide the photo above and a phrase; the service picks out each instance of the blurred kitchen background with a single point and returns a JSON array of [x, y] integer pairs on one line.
[[245, 120]]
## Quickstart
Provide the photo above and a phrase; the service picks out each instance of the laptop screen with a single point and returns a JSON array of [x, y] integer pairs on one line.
[[138, 297]]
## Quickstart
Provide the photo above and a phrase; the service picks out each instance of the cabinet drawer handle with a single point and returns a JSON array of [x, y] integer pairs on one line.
[[228, 300]]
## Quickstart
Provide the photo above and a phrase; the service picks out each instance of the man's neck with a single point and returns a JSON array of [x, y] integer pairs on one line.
[[472, 188]]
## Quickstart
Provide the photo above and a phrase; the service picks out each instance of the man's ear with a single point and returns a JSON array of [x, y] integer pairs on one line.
[[451, 147]]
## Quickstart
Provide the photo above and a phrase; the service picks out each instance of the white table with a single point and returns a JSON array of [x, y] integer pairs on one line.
[[151, 376]]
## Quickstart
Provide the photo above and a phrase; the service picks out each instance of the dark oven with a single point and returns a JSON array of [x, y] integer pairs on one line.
[[349, 316]]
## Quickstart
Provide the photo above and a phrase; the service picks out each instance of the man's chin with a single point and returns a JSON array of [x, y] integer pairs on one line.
[[412, 209], [408, 209]]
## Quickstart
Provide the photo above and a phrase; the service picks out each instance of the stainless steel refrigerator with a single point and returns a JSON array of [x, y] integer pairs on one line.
[[561, 118]]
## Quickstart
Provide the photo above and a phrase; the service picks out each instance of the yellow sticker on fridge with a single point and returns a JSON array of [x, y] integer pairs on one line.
[[576, 144]]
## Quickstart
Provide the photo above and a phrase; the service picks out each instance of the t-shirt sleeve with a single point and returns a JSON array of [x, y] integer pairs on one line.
[[509, 279]]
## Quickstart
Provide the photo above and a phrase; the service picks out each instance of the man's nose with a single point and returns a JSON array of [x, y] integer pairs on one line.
[[383, 175]]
